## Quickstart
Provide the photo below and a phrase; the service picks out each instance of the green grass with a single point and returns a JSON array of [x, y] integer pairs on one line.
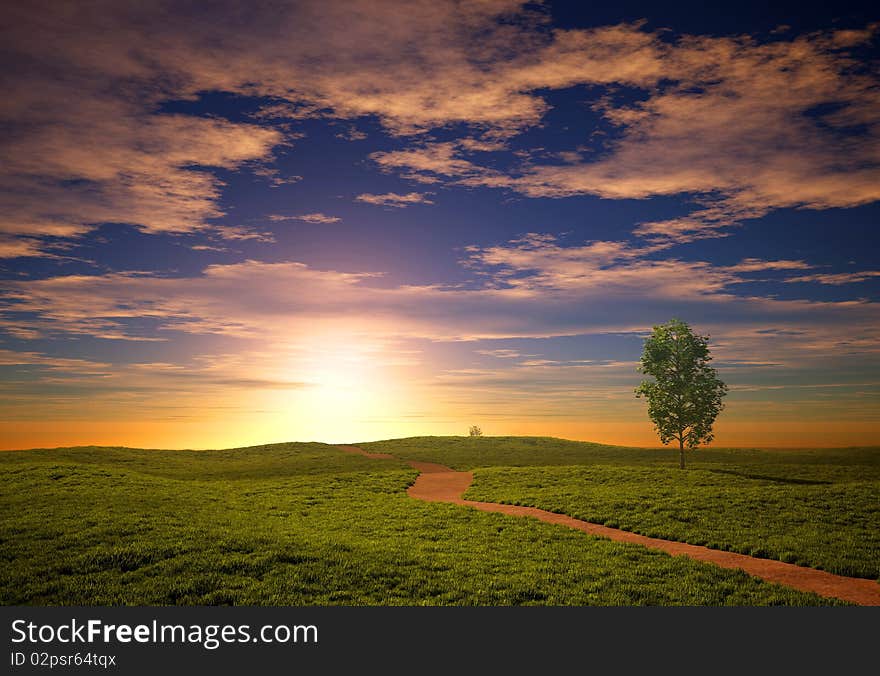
[[304, 524], [812, 507]]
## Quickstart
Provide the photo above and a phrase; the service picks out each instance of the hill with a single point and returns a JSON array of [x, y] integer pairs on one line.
[[306, 524]]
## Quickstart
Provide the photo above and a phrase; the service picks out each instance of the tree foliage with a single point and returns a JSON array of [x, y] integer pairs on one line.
[[475, 431], [686, 394]]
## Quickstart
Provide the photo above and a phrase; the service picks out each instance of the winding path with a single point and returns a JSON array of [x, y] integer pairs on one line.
[[438, 483]]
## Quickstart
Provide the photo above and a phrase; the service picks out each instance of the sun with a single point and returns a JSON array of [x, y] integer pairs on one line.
[[345, 391]]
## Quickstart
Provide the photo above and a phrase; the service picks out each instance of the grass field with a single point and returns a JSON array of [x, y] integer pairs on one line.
[[818, 507], [305, 524]]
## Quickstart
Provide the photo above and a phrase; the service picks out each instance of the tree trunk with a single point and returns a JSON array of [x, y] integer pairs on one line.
[[680, 453]]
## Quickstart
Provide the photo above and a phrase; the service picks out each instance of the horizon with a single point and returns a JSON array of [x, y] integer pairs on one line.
[[332, 220], [660, 448]]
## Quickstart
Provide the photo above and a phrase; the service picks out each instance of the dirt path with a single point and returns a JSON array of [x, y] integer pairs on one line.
[[438, 483]]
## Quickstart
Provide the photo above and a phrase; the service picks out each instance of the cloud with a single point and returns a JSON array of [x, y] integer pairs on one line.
[[238, 232], [837, 279], [100, 160], [208, 247], [288, 111], [532, 287], [351, 134], [425, 162], [316, 217], [481, 145], [27, 358], [16, 247], [100, 152], [758, 265], [502, 353], [42, 387], [274, 177], [740, 126], [393, 199], [538, 261]]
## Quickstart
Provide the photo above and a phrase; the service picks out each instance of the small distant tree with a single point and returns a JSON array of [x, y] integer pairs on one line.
[[475, 431], [685, 396]]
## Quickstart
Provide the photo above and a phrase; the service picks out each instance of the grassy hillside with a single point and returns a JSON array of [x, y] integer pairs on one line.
[[815, 507], [304, 524]]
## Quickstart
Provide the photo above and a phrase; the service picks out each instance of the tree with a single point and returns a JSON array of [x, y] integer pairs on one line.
[[475, 431], [685, 396]]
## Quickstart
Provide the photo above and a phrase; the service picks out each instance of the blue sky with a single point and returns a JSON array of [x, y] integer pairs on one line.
[[344, 221]]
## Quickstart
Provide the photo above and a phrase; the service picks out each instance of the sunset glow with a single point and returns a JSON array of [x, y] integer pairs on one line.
[[338, 221]]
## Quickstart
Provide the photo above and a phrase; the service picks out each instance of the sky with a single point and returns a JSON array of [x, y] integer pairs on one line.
[[229, 223]]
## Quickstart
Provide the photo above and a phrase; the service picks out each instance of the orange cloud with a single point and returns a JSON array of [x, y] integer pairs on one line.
[[393, 199], [533, 287], [837, 279], [742, 127], [101, 160], [316, 217], [758, 265]]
